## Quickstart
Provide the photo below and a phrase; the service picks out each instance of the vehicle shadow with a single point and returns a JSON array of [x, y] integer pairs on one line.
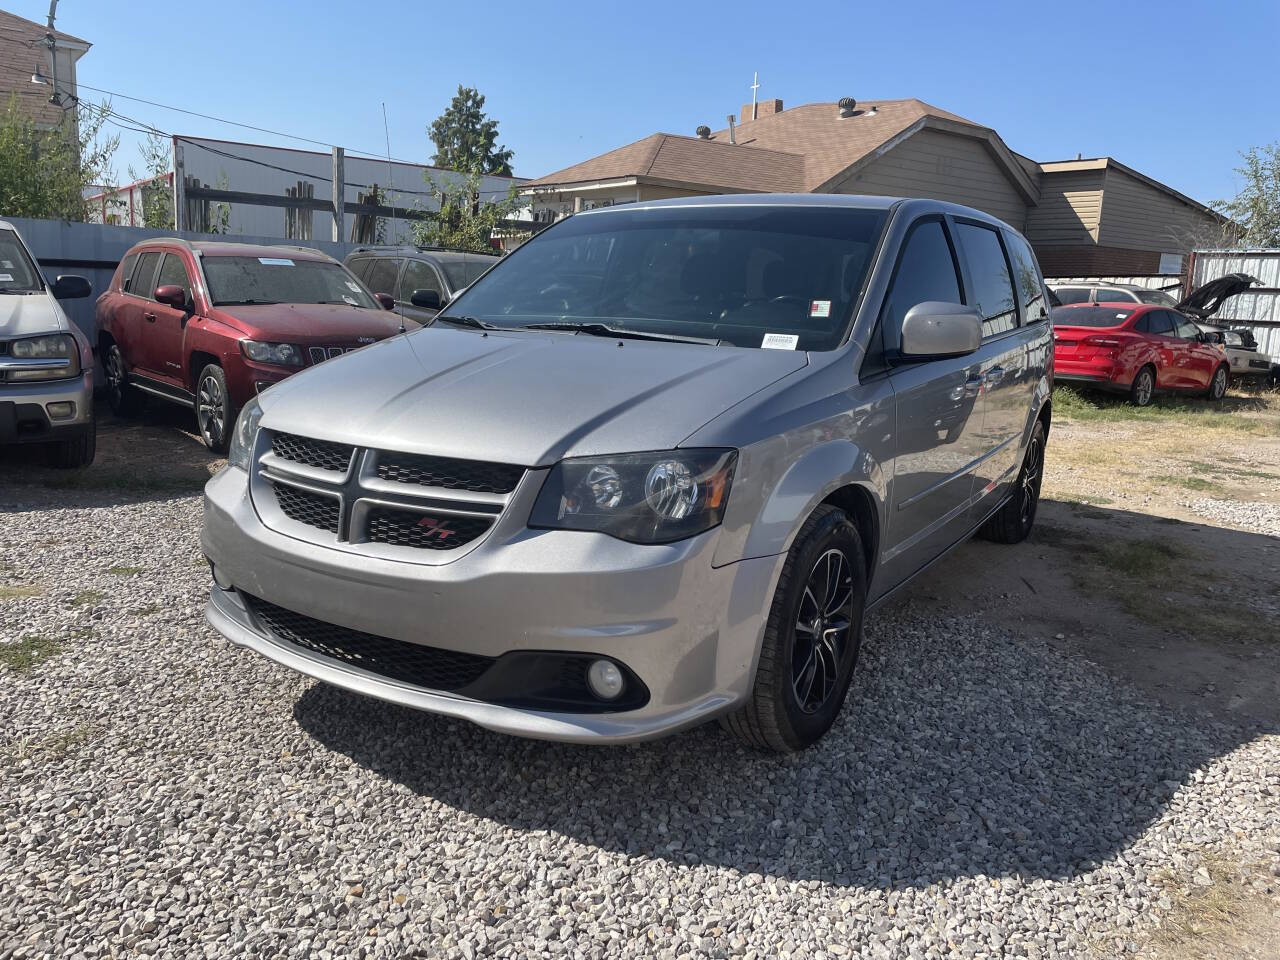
[[154, 455], [965, 749]]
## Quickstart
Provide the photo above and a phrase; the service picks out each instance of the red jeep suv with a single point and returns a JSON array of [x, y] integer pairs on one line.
[[208, 325]]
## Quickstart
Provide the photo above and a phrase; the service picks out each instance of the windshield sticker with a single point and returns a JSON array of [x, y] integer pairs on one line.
[[820, 308], [6, 276], [779, 341], [275, 262], [7, 264], [350, 300], [353, 286]]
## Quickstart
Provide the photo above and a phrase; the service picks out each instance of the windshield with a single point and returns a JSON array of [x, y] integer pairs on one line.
[[462, 273], [17, 273], [1158, 297], [239, 280], [1090, 316], [751, 276]]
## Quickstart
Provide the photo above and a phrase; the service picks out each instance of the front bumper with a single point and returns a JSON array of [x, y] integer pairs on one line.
[[24, 409], [689, 631]]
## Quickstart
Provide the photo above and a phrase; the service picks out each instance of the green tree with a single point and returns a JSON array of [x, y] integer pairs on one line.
[[465, 220], [1256, 208], [466, 140], [44, 172], [157, 193]]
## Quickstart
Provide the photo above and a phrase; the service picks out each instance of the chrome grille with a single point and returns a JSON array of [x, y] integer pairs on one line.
[[412, 663], [448, 473], [377, 502], [321, 454], [424, 531], [317, 510]]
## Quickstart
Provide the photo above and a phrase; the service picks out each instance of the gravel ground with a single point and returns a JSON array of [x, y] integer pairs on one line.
[[167, 794], [1254, 517]]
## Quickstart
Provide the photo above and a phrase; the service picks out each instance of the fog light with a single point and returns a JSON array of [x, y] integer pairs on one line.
[[219, 577], [605, 679], [61, 410]]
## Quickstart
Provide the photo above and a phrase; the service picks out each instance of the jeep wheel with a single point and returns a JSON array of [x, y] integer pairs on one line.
[[214, 416], [811, 639], [121, 397], [1012, 522]]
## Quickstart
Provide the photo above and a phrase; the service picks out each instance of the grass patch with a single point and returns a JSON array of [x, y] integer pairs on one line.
[[22, 656], [1223, 918], [13, 593], [1072, 404], [1144, 560], [1189, 482], [87, 598], [124, 571], [54, 746]]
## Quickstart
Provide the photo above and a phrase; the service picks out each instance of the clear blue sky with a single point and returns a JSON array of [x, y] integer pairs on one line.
[[1175, 88]]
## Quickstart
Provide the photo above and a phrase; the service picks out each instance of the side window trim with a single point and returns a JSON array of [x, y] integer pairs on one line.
[[967, 288]]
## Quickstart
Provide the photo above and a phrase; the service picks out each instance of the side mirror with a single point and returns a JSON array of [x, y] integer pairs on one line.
[[69, 286], [426, 299], [172, 295], [934, 329], [387, 300]]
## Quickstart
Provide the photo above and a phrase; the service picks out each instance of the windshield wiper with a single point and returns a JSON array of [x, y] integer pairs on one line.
[[604, 330], [246, 303], [465, 322]]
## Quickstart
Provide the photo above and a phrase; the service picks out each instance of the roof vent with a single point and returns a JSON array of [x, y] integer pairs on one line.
[[704, 132], [848, 107]]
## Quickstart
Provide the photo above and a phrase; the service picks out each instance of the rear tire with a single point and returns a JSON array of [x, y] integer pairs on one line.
[[1143, 388], [1218, 385], [811, 639], [122, 398], [1013, 522], [75, 452], [214, 416]]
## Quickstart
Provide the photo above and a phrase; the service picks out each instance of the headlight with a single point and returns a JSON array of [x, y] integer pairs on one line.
[[640, 497], [283, 354], [39, 351], [246, 432]]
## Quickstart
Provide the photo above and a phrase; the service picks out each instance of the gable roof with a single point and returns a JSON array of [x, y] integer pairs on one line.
[[1102, 163], [805, 149], [16, 23]]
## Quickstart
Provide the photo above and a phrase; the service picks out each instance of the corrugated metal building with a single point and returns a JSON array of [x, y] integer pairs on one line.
[[1259, 309]]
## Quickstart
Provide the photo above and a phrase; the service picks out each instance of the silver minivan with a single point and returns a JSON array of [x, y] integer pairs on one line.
[[651, 469]]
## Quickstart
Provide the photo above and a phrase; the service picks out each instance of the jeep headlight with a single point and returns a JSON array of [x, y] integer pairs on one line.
[[641, 497], [281, 354], [52, 357], [242, 438]]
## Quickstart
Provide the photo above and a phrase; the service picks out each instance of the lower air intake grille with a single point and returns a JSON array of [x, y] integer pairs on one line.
[[321, 454], [425, 531], [410, 663], [313, 509]]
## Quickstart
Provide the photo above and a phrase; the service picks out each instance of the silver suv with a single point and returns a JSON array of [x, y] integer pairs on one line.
[[651, 469]]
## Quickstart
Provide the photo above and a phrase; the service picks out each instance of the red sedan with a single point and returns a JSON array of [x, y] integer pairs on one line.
[[1137, 349]]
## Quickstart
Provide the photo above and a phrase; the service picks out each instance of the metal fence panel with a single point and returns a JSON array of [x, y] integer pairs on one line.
[[1259, 311]]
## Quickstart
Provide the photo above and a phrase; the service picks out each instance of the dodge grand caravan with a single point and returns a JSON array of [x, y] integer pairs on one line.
[[650, 469]]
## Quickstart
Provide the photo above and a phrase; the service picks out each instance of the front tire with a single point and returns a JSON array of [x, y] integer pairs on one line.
[[214, 416], [122, 398], [1218, 385], [811, 639], [75, 452], [1012, 522], [1143, 388]]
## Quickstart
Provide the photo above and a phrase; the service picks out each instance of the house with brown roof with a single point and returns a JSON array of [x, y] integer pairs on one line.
[[27, 69], [1084, 217]]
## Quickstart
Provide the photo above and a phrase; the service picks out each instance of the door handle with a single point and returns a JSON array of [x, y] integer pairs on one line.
[[973, 386], [994, 376], [149, 317]]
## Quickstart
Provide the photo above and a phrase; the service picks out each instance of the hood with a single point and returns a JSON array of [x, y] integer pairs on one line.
[[28, 314], [311, 322], [522, 398], [1204, 301]]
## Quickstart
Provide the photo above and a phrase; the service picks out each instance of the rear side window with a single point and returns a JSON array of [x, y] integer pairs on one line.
[[418, 276], [992, 283], [1161, 322], [1144, 324], [382, 276], [1068, 295], [126, 270], [1026, 276], [1109, 295], [142, 283], [174, 272], [926, 271], [359, 265]]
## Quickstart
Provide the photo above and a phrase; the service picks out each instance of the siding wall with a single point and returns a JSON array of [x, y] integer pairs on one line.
[[1069, 208], [21, 49], [1140, 217], [942, 166]]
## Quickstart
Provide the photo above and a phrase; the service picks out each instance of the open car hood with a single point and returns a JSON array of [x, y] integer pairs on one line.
[[1204, 301]]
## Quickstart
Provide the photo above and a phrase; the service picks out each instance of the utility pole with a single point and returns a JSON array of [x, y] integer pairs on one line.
[[339, 194]]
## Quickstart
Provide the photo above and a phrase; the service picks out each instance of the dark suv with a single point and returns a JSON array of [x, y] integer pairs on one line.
[[420, 279], [208, 325]]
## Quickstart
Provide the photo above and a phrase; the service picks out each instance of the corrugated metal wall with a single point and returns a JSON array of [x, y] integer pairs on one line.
[[1170, 284], [1260, 312]]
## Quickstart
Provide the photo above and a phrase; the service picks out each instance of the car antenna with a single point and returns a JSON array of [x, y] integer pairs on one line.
[[390, 188]]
